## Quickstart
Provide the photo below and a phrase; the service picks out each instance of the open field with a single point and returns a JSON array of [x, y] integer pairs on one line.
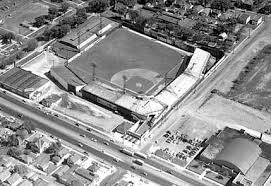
[[124, 53], [88, 113], [27, 12], [253, 85], [223, 112]]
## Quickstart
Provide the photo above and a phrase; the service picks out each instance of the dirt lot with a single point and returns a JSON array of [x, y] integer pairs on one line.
[[122, 51], [224, 112], [253, 85], [27, 12]]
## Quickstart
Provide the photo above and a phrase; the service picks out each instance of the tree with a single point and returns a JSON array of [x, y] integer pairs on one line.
[[222, 5], [53, 148], [53, 11], [129, 3], [33, 147], [20, 169], [64, 7], [7, 37], [82, 13], [28, 126], [97, 6], [140, 21], [22, 133], [32, 44], [70, 21], [39, 21], [14, 152], [120, 8], [65, 28], [13, 140], [133, 14]]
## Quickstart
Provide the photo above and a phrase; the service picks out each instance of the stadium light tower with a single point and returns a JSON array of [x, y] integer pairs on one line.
[[93, 64], [79, 39], [124, 78]]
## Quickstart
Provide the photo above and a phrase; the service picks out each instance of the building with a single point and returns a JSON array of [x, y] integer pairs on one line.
[[23, 83], [239, 155], [67, 79], [244, 18], [26, 183], [14, 179], [4, 175]]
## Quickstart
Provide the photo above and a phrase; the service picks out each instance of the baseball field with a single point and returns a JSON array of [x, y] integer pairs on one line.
[[126, 56]]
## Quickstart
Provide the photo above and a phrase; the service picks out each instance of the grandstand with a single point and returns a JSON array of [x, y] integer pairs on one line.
[[84, 35]]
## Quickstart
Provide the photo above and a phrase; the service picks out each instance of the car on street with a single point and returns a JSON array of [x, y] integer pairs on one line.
[[144, 173], [76, 124], [79, 144], [106, 143], [169, 171], [88, 129], [133, 167], [83, 135], [93, 139]]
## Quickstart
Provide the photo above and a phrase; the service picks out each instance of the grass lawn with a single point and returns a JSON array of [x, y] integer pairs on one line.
[[25, 13], [123, 50], [253, 85]]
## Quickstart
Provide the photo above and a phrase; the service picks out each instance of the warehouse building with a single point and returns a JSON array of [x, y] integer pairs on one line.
[[23, 83], [239, 155]]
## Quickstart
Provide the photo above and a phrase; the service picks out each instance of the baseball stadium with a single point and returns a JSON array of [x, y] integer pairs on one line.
[[129, 73], [129, 60]]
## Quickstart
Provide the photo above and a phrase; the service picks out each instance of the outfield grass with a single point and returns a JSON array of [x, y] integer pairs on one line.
[[25, 13], [123, 50]]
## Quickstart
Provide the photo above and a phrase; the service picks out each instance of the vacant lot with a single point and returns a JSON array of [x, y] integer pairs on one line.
[[253, 85], [124, 53], [27, 12]]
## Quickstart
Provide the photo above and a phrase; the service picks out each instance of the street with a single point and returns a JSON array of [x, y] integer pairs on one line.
[[71, 133]]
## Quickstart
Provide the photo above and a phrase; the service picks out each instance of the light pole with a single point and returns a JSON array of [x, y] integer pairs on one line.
[[124, 78], [93, 64]]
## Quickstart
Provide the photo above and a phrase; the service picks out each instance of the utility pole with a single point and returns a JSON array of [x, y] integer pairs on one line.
[[124, 78]]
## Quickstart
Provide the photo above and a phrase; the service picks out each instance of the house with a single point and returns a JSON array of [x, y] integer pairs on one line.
[[60, 171], [42, 161], [26, 183], [7, 161], [4, 175], [75, 158], [14, 179], [64, 153], [42, 143], [244, 18], [257, 19], [188, 23], [224, 36], [198, 8], [27, 159], [205, 12], [41, 182]]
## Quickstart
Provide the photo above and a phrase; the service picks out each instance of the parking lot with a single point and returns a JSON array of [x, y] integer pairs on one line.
[[177, 147]]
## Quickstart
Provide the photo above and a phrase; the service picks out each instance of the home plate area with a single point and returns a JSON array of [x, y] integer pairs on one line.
[[139, 84], [137, 80]]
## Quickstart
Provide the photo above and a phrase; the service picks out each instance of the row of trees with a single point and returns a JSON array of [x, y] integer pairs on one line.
[[52, 13], [64, 26]]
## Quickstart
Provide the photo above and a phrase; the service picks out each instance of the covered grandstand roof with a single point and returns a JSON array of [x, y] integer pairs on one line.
[[240, 153], [22, 80], [86, 30], [198, 62]]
